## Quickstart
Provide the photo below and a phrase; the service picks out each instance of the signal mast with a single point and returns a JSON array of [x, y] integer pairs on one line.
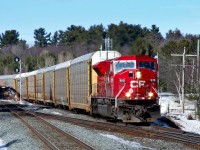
[[108, 45]]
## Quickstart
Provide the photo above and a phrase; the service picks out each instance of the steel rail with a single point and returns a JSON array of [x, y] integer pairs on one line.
[[65, 134], [40, 136], [133, 130], [187, 138]]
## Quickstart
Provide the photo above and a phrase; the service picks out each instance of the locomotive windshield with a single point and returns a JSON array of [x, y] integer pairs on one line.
[[121, 65], [149, 65]]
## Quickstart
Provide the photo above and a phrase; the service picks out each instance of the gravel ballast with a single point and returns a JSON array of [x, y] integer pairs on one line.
[[16, 136]]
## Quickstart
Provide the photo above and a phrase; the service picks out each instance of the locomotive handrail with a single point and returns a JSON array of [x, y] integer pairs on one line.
[[154, 89], [118, 95]]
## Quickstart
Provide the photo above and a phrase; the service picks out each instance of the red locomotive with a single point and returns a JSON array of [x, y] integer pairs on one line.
[[127, 89]]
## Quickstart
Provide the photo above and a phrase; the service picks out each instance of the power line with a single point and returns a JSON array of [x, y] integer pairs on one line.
[[183, 73]]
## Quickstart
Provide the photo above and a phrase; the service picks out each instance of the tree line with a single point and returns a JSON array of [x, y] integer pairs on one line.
[[128, 39]]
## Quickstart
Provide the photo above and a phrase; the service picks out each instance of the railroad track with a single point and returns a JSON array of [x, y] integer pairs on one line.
[[189, 135], [53, 137], [168, 134]]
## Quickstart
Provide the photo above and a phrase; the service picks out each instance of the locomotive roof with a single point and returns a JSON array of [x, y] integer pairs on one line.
[[135, 57], [96, 56]]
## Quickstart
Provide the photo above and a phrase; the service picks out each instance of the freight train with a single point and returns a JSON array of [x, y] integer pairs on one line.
[[100, 83]]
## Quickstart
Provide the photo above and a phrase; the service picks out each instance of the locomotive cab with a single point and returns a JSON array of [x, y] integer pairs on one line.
[[127, 88], [139, 78]]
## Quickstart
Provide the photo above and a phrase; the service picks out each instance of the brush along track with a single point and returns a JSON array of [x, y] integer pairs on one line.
[[53, 137], [168, 134]]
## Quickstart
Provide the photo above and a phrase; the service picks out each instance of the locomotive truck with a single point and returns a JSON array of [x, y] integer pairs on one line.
[[101, 82]]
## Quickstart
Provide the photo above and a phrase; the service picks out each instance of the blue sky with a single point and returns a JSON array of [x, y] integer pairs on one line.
[[27, 15]]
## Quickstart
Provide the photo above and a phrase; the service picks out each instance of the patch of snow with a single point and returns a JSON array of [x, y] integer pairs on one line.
[[2, 146], [129, 143], [56, 113], [8, 100], [24, 102], [171, 107]]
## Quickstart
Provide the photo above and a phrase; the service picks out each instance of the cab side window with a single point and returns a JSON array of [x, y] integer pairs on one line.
[[148, 65]]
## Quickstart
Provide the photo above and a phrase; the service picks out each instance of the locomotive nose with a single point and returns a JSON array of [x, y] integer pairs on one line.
[[137, 74]]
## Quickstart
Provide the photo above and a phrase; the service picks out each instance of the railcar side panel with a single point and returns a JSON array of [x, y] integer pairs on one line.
[[40, 86], [79, 85], [31, 85], [23, 84], [68, 87], [60, 87], [49, 84], [61, 83], [7, 80]]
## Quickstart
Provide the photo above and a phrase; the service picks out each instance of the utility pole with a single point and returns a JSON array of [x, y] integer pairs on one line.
[[198, 89], [183, 76], [198, 68]]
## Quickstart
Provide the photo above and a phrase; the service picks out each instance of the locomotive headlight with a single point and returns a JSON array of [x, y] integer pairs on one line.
[[150, 94], [138, 75], [128, 94]]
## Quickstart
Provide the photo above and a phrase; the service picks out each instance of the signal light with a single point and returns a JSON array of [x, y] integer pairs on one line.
[[16, 70], [16, 59]]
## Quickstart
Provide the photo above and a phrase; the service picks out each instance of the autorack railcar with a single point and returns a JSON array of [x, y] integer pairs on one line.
[[102, 82]]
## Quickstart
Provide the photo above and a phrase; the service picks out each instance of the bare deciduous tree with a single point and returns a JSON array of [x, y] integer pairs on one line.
[[64, 56]]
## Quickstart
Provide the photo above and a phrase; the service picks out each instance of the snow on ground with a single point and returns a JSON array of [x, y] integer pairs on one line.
[[130, 143], [2, 145], [54, 112], [170, 107]]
